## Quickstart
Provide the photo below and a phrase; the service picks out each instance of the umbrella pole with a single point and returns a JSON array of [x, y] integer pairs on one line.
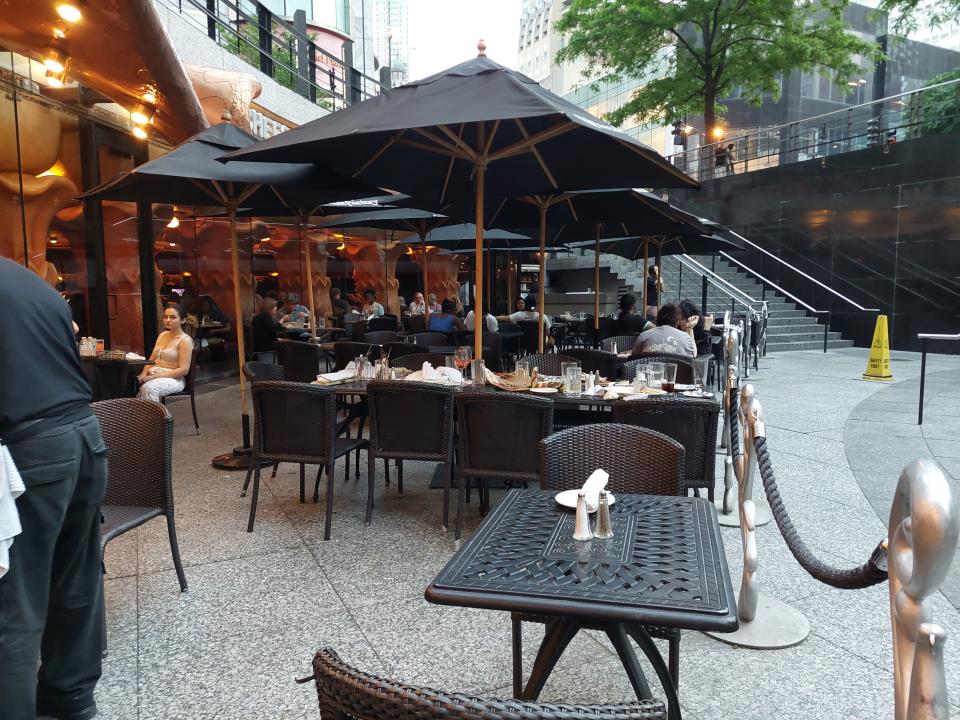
[[305, 242], [596, 284], [659, 259], [426, 293], [646, 257], [478, 315], [541, 294]]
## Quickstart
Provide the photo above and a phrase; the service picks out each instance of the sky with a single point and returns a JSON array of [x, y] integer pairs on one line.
[[445, 32]]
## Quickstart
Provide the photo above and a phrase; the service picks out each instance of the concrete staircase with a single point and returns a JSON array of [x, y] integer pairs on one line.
[[789, 327]]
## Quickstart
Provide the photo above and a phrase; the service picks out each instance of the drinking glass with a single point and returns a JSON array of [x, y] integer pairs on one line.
[[478, 372], [565, 366], [669, 377], [522, 370], [572, 379], [640, 379], [700, 372], [462, 358], [654, 375]]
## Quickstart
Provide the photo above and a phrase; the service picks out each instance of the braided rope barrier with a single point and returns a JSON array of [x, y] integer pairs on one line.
[[872, 572]]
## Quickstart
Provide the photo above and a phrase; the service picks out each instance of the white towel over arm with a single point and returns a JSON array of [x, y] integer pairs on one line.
[[11, 487]]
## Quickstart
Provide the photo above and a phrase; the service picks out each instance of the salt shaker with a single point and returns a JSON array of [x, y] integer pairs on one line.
[[604, 528], [582, 529], [590, 383]]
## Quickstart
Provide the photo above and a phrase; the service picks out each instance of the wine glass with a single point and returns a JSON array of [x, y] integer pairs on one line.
[[462, 358]]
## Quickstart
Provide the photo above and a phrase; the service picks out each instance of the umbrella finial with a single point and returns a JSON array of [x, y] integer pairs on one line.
[[481, 48]]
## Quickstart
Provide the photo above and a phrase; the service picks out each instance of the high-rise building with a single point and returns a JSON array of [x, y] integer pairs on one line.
[[539, 44], [391, 38]]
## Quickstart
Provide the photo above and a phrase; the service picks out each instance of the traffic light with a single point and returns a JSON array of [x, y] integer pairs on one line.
[[873, 132], [677, 132]]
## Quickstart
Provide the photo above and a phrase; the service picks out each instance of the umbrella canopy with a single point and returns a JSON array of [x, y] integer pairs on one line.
[[461, 237], [472, 132], [631, 248], [190, 174]]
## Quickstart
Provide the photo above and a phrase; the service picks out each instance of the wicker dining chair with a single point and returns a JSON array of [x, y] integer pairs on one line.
[[493, 351], [189, 387], [346, 350], [379, 337], [487, 423], [638, 460], [684, 365], [410, 421], [397, 350], [255, 371], [548, 363], [139, 439], [416, 323], [310, 440], [619, 343], [436, 339], [386, 323], [300, 360], [529, 334], [345, 693], [415, 362], [691, 422], [599, 361]]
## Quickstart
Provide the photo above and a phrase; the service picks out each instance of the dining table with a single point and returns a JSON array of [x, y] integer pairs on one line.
[[664, 566], [112, 377]]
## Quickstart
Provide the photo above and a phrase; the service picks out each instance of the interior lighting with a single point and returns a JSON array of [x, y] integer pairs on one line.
[[149, 96], [55, 58], [60, 30], [56, 79], [139, 132], [143, 114], [70, 11], [187, 273], [57, 169], [53, 241], [342, 246], [174, 223], [274, 274]]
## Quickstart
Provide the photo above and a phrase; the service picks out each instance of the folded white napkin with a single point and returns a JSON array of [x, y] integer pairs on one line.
[[592, 487], [428, 373], [134, 356], [11, 487], [348, 372], [597, 390]]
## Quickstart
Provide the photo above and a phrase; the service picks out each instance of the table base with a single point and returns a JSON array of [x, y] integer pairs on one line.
[[776, 626], [761, 508], [561, 631]]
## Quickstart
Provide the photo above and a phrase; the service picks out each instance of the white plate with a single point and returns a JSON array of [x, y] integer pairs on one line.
[[697, 393], [568, 498], [543, 390], [684, 386]]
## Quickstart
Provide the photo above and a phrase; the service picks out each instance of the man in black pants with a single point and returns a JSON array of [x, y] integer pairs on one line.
[[51, 598]]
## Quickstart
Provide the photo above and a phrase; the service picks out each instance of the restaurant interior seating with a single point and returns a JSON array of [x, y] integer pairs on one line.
[[300, 360], [397, 350], [409, 421], [619, 343], [416, 323], [683, 363], [384, 322], [139, 439], [312, 440], [416, 361], [548, 363], [345, 351], [436, 339], [346, 693], [599, 361], [492, 351], [607, 328], [358, 328], [486, 424], [189, 387], [529, 334], [379, 337]]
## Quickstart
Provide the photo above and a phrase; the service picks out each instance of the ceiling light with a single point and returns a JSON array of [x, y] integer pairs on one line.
[[70, 11], [139, 132], [274, 274], [143, 114], [174, 222], [172, 244], [342, 246], [53, 241], [187, 273], [56, 79], [55, 58], [60, 30]]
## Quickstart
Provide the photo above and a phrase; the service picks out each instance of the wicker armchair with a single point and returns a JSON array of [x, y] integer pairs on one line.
[[489, 422], [684, 365], [189, 386], [416, 323], [300, 360], [387, 323], [345, 693], [548, 363], [493, 351], [529, 334], [139, 438], [638, 461], [397, 350], [427, 339], [415, 362], [619, 343], [345, 351], [601, 361], [379, 337], [311, 440], [691, 422], [410, 421], [255, 371]]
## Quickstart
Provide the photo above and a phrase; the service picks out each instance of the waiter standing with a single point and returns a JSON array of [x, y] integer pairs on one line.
[[51, 598]]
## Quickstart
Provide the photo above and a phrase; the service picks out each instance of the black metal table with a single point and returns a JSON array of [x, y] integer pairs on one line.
[[665, 566]]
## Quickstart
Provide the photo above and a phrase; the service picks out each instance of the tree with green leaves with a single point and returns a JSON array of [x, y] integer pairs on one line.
[[692, 53], [907, 14]]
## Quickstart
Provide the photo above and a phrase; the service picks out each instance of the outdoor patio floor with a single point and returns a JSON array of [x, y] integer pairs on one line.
[[260, 604]]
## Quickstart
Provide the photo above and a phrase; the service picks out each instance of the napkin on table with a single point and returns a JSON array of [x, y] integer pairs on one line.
[[348, 372], [134, 356], [429, 373], [592, 487]]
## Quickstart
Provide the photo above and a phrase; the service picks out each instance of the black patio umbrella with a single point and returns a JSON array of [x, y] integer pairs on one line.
[[472, 132], [190, 174]]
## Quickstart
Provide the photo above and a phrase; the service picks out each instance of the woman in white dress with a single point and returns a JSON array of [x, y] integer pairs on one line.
[[171, 356]]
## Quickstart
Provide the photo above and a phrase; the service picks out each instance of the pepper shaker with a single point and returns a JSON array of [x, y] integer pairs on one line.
[[604, 527], [582, 529]]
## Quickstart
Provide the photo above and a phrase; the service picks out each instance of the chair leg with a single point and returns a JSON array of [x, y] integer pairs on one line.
[[175, 549], [256, 493], [326, 527], [446, 496], [461, 481], [400, 476], [316, 485], [371, 466], [360, 435], [673, 661], [273, 474], [193, 409], [386, 471], [517, 632], [302, 480], [246, 482], [346, 468]]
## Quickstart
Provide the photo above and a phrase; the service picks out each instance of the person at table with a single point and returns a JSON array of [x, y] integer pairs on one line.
[[418, 306], [457, 306], [371, 308], [292, 310], [51, 592], [694, 325], [445, 321], [340, 306], [519, 305], [654, 288], [669, 336], [490, 322], [432, 303], [527, 312], [628, 322], [264, 326], [211, 313], [171, 357]]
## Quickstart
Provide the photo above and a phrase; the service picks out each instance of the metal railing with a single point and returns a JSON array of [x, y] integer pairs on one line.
[[872, 124], [280, 50], [924, 338]]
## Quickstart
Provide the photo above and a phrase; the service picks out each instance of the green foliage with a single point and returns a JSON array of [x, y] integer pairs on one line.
[[937, 110], [694, 52], [907, 14]]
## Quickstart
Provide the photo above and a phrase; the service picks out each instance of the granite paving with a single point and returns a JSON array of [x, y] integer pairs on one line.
[[260, 604]]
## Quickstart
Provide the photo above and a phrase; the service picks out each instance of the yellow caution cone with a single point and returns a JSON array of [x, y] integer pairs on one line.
[[878, 366]]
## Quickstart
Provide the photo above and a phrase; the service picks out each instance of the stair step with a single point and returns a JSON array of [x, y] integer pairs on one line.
[[808, 345]]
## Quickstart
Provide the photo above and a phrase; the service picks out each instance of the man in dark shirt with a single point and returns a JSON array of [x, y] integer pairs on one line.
[[340, 306], [264, 327], [53, 593]]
